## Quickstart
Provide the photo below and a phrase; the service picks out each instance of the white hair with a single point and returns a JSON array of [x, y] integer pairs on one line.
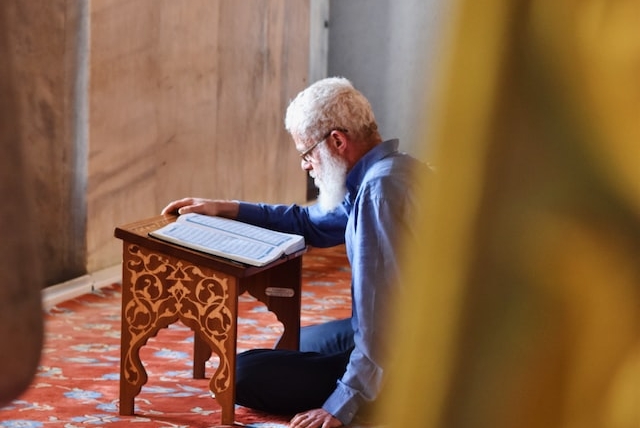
[[328, 104]]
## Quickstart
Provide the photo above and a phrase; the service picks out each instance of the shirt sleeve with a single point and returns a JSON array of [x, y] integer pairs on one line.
[[379, 219], [319, 229]]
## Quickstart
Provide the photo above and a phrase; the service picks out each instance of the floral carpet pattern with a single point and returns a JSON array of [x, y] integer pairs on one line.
[[77, 383]]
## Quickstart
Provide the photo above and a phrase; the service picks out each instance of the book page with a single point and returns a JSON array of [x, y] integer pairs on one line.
[[215, 240], [270, 237]]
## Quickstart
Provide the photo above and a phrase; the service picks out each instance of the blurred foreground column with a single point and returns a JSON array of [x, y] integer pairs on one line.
[[523, 307], [21, 327]]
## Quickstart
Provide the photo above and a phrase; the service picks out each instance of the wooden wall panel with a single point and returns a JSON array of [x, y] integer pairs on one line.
[[188, 98]]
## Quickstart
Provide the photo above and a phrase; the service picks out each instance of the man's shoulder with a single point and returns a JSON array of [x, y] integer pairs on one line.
[[398, 164]]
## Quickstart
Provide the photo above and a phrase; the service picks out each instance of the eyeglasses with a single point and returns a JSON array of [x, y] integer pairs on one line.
[[306, 155]]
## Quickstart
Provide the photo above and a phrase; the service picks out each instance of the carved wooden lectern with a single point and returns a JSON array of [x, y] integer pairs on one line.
[[163, 283]]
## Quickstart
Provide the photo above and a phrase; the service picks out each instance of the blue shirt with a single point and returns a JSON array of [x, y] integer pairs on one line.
[[376, 211]]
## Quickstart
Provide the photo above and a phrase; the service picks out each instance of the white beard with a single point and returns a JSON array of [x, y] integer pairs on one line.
[[332, 181]]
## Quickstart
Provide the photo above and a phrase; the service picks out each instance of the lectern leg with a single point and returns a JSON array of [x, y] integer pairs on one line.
[[201, 354]]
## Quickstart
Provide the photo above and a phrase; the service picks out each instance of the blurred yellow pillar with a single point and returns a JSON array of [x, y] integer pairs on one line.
[[523, 301]]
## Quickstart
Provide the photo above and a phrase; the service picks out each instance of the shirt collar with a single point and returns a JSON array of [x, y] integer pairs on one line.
[[356, 175]]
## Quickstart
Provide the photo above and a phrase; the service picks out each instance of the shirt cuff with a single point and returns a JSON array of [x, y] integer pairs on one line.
[[342, 403]]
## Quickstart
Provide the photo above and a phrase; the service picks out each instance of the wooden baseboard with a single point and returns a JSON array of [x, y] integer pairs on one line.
[[71, 289]]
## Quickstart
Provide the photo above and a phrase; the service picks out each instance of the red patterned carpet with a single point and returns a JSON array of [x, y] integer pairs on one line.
[[77, 381]]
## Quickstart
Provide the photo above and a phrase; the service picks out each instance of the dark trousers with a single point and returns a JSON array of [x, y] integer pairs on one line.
[[288, 382]]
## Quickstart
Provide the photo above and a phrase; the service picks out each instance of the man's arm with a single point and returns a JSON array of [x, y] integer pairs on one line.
[[319, 229], [382, 213]]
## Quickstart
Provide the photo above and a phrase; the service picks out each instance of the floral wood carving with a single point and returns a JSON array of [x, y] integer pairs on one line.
[[162, 290]]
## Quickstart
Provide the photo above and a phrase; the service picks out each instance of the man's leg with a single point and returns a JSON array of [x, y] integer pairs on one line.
[[287, 382], [328, 338]]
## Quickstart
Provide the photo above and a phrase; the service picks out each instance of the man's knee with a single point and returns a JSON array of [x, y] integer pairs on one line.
[[249, 379], [249, 367]]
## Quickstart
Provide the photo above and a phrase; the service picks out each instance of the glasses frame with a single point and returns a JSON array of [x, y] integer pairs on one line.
[[304, 155]]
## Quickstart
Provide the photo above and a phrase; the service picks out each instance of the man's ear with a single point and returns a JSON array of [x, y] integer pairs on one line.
[[340, 140]]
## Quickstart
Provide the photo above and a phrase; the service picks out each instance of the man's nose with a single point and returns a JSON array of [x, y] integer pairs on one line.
[[306, 166]]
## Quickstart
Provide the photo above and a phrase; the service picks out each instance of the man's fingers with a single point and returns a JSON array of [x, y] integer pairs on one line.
[[188, 209], [174, 206]]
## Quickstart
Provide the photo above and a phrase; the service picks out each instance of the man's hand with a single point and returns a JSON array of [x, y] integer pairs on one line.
[[316, 418], [222, 208]]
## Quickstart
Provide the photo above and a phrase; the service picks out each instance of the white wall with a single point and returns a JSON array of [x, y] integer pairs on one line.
[[388, 49]]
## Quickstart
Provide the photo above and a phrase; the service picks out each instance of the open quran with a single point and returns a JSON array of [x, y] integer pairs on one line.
[[231, 239]]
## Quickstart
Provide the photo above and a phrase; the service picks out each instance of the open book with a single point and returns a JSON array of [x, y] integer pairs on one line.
[[230, 239]]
